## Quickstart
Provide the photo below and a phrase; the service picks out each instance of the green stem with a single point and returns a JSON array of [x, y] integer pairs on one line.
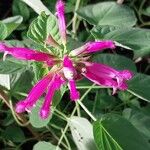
[[64, 117], [78, 109], [86, 110], [56, 137], [75, 17], [67, 142], [140, 10], [14, 115], [144, 24], [94, 87], [55, 126]]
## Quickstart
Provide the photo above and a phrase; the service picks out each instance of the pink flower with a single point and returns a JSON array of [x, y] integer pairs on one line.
[[67, 68], [106, 76], [27, 54], [70, 74], [93, 47], [54, 85], [60, 11], [51, 82]]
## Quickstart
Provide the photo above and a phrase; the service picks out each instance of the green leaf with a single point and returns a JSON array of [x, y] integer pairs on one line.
[[12, 23], [11, 65], [5, 80], [140, 87], [3, 31], [139, 119], [104, 101], [53, 28], [42, 145], [81, 130], [116, 61], [147, 11], [42, 27], [135, 38], [103, 139], [35, 119], [14, 134], [108, 13], [20, 8], [37, 6], [38, 29], [114, 132], [22, 78]]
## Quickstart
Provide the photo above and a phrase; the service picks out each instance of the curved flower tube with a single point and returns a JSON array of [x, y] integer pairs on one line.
[[27, 54], [70, 73], [60, 11], [35, 93], [93, 47], [54, 85], [106, 76]]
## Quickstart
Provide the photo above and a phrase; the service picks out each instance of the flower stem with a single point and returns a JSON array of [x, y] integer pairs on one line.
[[86, 110], [75, 18], [94, 87], [67, 142], [14, 115], [61, 114], [78, 109], [56, 137]]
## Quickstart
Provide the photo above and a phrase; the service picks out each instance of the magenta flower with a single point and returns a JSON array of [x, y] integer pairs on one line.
[[67, 68], [60, 11]]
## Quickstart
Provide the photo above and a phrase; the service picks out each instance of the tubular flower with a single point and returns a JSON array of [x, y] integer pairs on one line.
[[66, 68], [60, 11]]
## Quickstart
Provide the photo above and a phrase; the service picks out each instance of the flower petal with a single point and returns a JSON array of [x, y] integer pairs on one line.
[[70, 73], [74, 94], [93, 47], [55, 84], [106, 76], [34, 95], [25, 53], [60, 11]]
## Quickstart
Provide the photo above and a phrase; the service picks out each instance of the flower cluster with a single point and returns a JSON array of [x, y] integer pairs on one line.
[[67, 69]]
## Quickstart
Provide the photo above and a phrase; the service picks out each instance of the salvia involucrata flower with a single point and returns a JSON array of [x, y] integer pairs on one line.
[[72, 66]]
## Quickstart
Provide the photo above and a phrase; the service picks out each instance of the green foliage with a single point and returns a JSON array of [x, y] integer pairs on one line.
[[12, 23], [37, 6], [20, 8], [81, 130], [139, 119], [3, 31], [11, 131], [7, 26], [38, 29], [139, 86], [108, 13], [35, 119], [44, 146], [42, 27], [135, 38], [113, 132], [110, 59], [11, 65]]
